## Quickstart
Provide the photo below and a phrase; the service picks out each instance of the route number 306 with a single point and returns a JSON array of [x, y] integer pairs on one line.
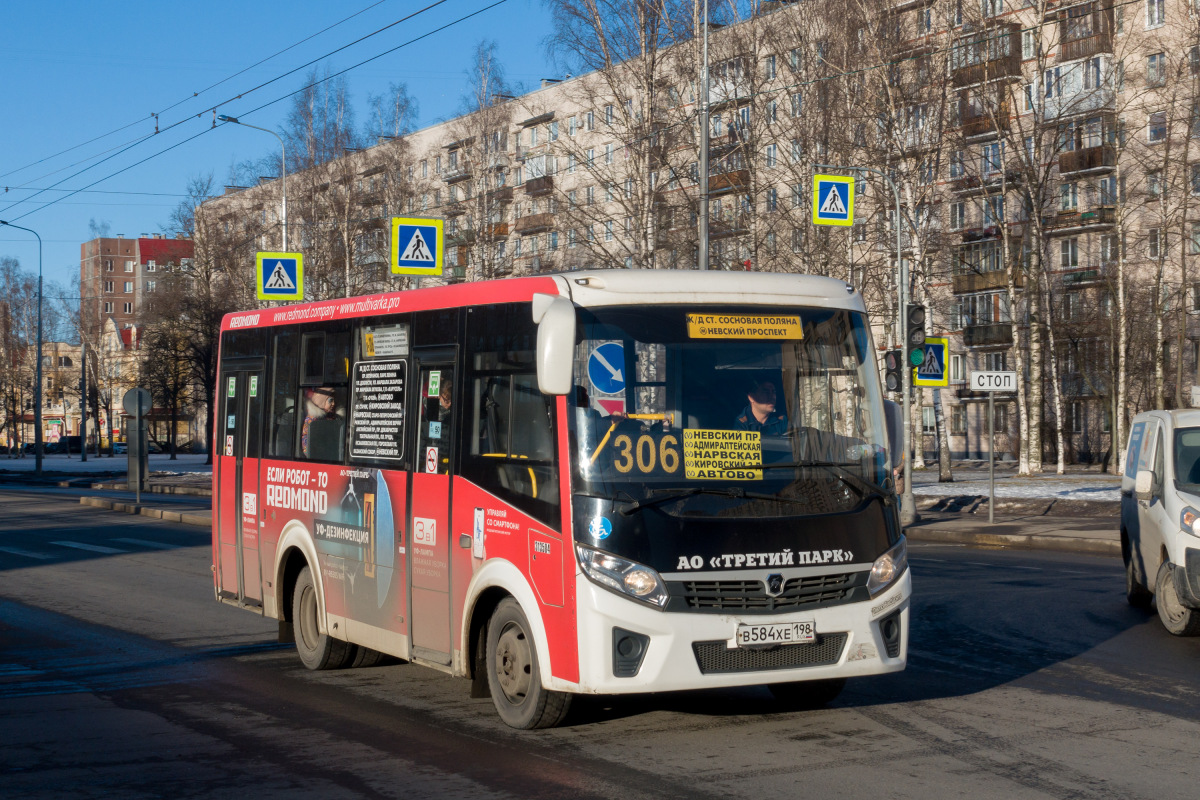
[[647, 454]]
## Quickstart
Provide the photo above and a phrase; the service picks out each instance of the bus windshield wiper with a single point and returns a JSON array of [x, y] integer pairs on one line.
[[668, 495], [860, 485]]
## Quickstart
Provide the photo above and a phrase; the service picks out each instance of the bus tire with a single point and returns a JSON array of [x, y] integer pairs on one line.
[[1175, 616], [514, 679], [807, 695], [317, 650], [365, 657], [1136, 593]]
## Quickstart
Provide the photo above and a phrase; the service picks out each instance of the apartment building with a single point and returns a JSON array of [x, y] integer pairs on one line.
[[1044, 153], [118, 276]]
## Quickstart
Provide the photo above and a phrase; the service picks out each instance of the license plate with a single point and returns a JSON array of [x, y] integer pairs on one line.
[[802, 632]]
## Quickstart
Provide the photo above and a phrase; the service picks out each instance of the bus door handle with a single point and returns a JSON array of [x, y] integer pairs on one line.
[[464, 541]]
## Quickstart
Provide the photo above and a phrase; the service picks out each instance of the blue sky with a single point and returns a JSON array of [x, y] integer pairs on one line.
[[88, 76]]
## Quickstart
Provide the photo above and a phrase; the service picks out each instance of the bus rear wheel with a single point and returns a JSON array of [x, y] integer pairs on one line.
[[514, 679], [317, 650], [807, 695]]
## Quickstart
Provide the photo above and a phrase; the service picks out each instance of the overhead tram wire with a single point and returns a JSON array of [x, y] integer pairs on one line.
[[265, 105], [213, 108], [155, 115]]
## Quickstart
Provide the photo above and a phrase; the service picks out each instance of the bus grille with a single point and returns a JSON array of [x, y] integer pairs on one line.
[[750, 596], [714, 657]]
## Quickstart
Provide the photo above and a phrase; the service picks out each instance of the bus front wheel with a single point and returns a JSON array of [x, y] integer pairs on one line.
[[317, 650], [513, 676], [805, 695]]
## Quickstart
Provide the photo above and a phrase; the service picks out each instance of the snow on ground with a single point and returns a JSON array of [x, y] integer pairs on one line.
[[1062, 487], [61, 464]]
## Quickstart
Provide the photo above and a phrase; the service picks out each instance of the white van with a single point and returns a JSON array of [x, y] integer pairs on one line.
[[1160, 517]]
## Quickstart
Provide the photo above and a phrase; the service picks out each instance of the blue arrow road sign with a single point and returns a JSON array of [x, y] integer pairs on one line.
[[606, 368]]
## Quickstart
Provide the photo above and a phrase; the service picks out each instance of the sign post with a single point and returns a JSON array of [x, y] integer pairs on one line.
[[992, 382]]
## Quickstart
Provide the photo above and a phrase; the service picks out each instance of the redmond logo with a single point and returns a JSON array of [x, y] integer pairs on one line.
[[246, 321]]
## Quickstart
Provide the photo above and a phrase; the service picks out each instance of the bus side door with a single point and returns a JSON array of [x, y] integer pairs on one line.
[[237, 502], [429, 522]]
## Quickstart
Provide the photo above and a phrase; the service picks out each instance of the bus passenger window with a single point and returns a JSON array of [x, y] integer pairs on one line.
[[324, 387], [281, 432]]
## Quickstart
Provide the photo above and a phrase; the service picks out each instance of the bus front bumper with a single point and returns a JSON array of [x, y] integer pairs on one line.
[[696, 651]]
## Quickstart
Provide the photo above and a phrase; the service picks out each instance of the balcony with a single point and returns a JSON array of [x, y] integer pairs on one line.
[[502, 195], [969, 184], [1082, 277], [989, 55], [729, 222], [459, 172], [982, 281], [1075, 221], [536, 187], [985, 335], [1086, 46], [535, 223], [1084, 30], [728, 181], [495, 230], [1101, 158]]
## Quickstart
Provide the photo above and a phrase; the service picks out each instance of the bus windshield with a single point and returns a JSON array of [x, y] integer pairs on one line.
[[731, 411]]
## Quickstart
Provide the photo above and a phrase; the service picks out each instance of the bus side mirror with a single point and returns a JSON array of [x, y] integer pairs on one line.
[[555, 318], [894, 419]]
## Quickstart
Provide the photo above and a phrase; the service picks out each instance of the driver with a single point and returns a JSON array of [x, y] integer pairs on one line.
[[760, 414]]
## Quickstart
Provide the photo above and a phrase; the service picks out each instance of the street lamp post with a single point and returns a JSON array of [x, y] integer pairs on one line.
[[702, 252], [37, 391], [283, 166]]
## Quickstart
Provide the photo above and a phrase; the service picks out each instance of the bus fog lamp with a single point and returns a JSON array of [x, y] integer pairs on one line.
[[888, 567]]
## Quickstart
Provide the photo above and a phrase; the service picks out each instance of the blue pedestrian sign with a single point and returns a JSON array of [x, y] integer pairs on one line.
[[280, 276], [833, 200], [416, 246], [605, 368], [933, 370]]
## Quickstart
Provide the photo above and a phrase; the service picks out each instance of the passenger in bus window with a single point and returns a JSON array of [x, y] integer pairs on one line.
[[760, 413], [319, 404]]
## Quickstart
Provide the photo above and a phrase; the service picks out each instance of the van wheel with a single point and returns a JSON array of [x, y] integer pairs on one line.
[[1136, 593], [807, 695], [317, 650], [1176, 617], [513, 676]]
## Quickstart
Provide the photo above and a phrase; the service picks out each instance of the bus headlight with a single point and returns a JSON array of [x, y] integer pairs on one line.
[[623, 576], [1187, 521], [888, 567]]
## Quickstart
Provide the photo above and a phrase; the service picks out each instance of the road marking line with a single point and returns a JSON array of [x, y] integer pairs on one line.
[[1017, 566], [978, 564], [144, 543], [17, 552], [95, 548], [926, 558]]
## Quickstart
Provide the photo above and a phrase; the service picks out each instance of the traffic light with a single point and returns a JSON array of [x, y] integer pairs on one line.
[[916, 334], [893, 369]]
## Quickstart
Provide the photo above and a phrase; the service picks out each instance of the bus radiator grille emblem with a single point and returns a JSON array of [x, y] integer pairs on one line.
[[774, 585]]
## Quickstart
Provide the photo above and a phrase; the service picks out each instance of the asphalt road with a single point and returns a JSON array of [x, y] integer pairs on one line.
[[1029, 677]]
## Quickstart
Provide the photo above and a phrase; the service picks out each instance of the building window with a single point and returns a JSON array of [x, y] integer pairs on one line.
[[129, 308], [797, 240], [772, 199], [108, 308], [591, 195], [1154, 183], [1028, 44], [993, 211], [1155, 247], [995, 361], [772, 111], [1157, 130], [1069, 253], [108, 265], [554, 131], [1108, 191], [1195, 241], [589, 121], [1000, 417], [958, 216], [1077, 416], [928, 421], [608, 231], [956, 369], [958, 420], [1155, 13], [797, 101], [571, 164], [1068, 197], [1156, 69], [992, 8], [110, 286], [770, 68], [150, 286], [772, 151], [1108, 249]]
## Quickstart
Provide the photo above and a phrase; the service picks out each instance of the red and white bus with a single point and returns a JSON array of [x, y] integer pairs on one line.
[[597, 482]]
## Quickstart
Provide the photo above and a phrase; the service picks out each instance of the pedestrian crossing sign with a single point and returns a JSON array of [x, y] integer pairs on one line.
[[416, 246], [933, 371], [833, 200], [280, 276]]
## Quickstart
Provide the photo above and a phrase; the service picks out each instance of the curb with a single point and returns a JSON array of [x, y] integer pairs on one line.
[[1025, 541], [190, 491], [198, 519]]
